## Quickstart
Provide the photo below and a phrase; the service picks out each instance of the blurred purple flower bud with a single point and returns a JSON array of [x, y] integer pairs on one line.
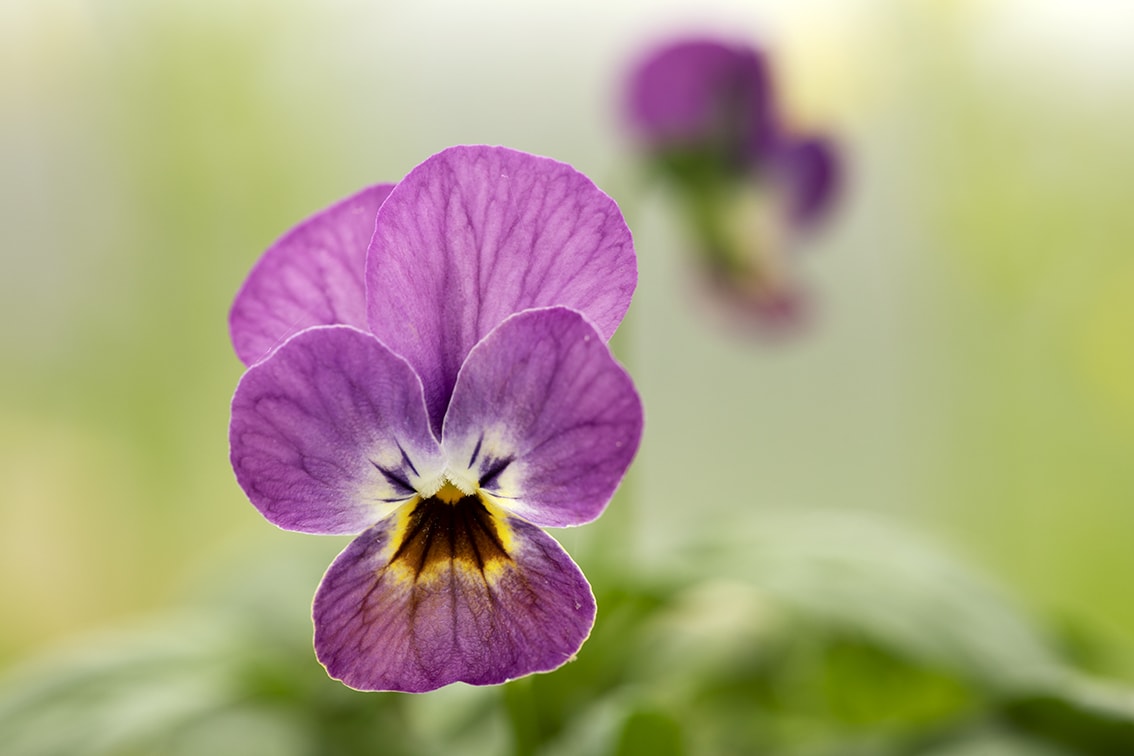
[[705, 115], [703, 95]]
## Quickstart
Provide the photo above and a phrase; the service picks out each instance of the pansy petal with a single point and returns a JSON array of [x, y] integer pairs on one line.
[[313, 275], [810, 170], [475, 234], [543, 419], [329, 434], [441, 593]]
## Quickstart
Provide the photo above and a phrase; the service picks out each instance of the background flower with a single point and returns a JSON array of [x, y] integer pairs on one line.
[[707, 117]]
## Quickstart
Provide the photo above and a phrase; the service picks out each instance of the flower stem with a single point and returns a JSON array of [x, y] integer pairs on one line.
[[519, 703]]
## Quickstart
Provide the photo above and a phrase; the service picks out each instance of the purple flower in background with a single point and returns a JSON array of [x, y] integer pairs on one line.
[[429, 370], [706, 114], [701, 95]]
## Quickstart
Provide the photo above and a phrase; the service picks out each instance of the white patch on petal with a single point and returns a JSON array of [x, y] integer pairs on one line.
[[470, 458], [422, 471]]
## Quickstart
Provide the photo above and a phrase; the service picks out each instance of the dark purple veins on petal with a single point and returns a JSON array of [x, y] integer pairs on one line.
[[490, 467], [492, 470], [407, 461], [476, 450], [397, 479], [439, 533]]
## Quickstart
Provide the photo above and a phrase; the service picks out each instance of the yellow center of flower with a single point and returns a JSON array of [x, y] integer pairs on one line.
[[450, 530], [449, 493]]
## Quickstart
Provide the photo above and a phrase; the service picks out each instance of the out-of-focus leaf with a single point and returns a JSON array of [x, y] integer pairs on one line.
[[650, 732], [602, 668], [753, 675], [815, 641], [875, 578], [994, 742], [1094, 716], [118, 693]]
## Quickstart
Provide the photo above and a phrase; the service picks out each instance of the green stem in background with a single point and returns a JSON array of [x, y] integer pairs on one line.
[[604, 549], [523, 716], [609, 543], [705, 189]]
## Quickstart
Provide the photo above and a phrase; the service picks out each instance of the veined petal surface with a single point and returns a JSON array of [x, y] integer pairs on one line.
[[475, 234], [329, 434], [313, 275], [442, 592], [543, 419]]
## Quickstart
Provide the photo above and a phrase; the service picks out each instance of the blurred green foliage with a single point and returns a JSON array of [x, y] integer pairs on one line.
[[688, 663]]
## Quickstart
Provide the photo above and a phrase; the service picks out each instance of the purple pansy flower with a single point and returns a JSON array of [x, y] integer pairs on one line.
[[706, 114], [429, 370]]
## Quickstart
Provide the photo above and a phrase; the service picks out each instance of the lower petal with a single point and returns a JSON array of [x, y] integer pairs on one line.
[[444, 592]]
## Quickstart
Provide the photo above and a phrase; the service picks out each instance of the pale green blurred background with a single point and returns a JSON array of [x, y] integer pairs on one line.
[[970, 373]]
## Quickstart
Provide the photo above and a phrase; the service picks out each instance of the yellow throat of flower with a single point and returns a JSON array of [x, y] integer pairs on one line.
[[449, 493]]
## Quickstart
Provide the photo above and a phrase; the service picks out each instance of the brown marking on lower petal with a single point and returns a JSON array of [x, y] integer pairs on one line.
[[439, 533]]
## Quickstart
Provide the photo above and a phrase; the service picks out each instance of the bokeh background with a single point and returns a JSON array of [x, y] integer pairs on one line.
[[932, 478]]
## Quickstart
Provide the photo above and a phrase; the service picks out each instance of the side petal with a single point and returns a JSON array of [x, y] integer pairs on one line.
[[475, 234], [329, 434], [312, 276], [441, 593], [543, 419], [811, 173]]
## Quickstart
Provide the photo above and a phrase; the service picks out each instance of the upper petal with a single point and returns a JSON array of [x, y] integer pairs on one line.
[[543, 419], [329, 434], [313, 275], [475, 234], [441, 593]]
